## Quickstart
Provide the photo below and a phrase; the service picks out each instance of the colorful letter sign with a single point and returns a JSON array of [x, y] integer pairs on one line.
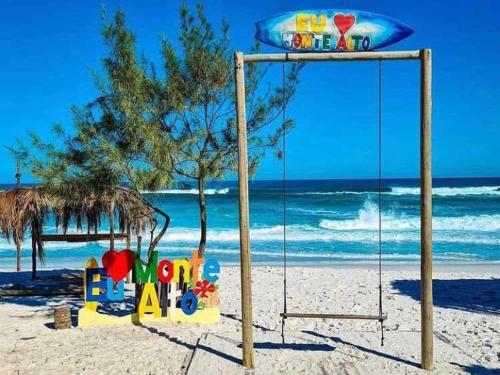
[[328, 30], [172, 291]]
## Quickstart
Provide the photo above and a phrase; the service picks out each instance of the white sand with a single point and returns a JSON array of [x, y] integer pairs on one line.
[[466, 321]]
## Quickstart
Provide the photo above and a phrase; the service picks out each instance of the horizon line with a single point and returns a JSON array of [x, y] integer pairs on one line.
[[316, 179]]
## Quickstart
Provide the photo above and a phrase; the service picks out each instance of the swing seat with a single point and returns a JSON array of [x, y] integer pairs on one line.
[[380, 318]]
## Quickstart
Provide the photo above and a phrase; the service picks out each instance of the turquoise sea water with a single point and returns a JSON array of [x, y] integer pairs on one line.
[[328, 222]]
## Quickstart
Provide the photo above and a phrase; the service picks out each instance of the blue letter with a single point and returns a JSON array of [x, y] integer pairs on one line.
[[91, 284], [366, 43], [119, 295], [211, 266], [186, 298]]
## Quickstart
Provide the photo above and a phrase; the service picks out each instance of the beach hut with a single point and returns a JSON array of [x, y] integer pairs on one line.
[[26, 209]]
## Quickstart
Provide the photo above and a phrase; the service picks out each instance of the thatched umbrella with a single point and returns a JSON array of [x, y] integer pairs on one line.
[[20, 209], [28, 207]]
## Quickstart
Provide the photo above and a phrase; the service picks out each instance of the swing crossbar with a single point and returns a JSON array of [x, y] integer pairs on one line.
[[380, 318], [333, 56]]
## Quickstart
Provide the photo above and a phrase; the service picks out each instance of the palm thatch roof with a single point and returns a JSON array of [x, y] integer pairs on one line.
[[86, 209], [27, 208], [19, 208]]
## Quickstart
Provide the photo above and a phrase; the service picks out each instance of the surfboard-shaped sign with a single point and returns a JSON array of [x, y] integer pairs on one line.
[[330, 30]]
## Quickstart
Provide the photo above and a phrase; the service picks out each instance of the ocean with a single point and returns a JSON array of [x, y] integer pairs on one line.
[[327, 222]]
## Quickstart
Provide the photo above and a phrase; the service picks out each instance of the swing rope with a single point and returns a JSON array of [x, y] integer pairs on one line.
[[380, 306], [283, 156], [380, 317]]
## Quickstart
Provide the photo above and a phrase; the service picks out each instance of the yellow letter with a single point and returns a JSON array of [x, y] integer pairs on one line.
[[178, 263], [307, 41], [195, 264], [349, 43], [149, 293], [318, 27], [302, 22], [91, 263]]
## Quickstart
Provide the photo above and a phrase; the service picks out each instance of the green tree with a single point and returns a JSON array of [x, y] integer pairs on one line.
[[153, 123], [197, 106], [115, 141]]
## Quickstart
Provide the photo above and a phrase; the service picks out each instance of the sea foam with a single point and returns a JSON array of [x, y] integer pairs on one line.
[[448, 191], [399, 191], [368, 220]]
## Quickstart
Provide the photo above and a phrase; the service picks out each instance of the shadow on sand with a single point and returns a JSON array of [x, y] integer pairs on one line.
[[472, 295], [199, 346], [338, 340], [256, 325], [50, 289], [478, 369]]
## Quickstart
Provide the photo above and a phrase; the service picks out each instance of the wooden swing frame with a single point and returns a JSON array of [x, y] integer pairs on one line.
[[424, 56]]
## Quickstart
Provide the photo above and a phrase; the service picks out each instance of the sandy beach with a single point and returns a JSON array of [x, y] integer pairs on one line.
[[212, 188], [466, 328]]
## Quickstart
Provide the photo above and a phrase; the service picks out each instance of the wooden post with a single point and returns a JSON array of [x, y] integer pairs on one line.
[[18, 256], [33, 250], [138, 286], [246, 283], [426, 208], [112, 225], [129, 275], [18, 243], [128, 236]]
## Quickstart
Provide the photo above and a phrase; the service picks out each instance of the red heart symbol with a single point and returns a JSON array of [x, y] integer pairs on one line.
[[344, 22], [118, 263]]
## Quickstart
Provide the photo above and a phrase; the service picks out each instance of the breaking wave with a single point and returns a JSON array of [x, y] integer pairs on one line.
[[449, 192], [367, 220], [437, 191]]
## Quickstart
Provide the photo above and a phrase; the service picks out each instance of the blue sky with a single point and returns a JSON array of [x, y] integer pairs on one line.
[[48, 50]]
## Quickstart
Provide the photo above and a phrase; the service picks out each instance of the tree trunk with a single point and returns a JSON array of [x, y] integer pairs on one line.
[[203, 217], [155, 240]]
